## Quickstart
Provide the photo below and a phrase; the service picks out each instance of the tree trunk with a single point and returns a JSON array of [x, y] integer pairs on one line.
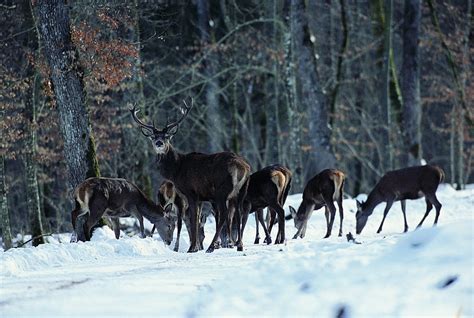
[[272, 145], [411, 83], [52, 18], [385, 102], [32, 191], [216, 142], [310, 96], [4, 216]]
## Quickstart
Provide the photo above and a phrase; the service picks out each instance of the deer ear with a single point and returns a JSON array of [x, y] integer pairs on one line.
[[292, 211], [172, 131]]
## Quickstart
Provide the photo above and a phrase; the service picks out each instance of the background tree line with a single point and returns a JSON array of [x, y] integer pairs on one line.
[[364, 86]]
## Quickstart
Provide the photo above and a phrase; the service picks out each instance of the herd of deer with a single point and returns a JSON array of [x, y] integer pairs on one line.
[[224, 180]]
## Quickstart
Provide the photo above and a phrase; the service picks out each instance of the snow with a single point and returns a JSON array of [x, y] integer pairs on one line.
[[388, 274]]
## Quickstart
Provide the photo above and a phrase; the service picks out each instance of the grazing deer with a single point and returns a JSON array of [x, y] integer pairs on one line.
[[221, 178], [268, 187], [113, 197], [401, 185], [321, 191]]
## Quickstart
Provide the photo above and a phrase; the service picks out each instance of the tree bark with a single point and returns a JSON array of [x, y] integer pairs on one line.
[[4, 216], [216, 142], [411, 83], [386, 85], [53, 26], [310, 96]]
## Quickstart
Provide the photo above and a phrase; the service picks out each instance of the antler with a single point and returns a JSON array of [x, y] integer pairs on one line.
[[146, 130], [185, 113]]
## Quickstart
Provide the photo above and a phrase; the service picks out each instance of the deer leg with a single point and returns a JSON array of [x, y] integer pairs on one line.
[[327, 214], [332, 210], [257, 235], [142, 227], [281, 222], [115, 227], [202, 221], [216, 219], [192, 209], [97, 208], [341, 213], [437, 205], [429, 206], [178, 235], [403, 204], [268, 238], [271, 216], [385, 212], [220, 210]]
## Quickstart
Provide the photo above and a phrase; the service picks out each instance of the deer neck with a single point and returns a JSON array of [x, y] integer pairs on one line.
[[169, 163], [373, 200], [150, 210]]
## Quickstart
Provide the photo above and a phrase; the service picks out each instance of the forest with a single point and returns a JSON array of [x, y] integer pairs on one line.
[[362, 86]]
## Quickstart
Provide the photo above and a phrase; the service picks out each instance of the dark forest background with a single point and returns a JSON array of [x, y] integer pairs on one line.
[[363, 86]]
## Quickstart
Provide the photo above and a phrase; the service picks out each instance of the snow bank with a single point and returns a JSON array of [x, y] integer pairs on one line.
[[406, 279], [103, 245]]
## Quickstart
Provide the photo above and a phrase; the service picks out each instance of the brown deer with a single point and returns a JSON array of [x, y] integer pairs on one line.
[[114, 197], [321, 191], [268, 187], [221, 178], [401, 185]]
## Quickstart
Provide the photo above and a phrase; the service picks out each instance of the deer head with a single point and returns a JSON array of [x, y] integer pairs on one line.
[[161, 138], [361, 216]]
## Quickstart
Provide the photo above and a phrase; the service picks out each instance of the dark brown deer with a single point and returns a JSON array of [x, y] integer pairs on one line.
[[113, 197], [268, 187], [221, 178], [321, 191], [401, 185]]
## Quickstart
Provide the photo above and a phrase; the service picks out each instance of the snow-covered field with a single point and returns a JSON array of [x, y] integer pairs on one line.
[[389, 274]]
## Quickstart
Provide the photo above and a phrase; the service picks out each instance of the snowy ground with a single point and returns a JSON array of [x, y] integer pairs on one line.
[[389, 274]]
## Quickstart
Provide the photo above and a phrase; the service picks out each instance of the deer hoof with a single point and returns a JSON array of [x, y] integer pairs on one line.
[[257, 241], [210, 249], [192, 250], [268, 240], [327, 235], [240, 248]]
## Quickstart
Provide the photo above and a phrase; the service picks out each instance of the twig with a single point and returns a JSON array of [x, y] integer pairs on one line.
[[34, 238]]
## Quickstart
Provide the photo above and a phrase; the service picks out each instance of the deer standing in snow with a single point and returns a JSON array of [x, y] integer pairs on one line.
[[220, 178], [321, 191], [114, 197], [401, 185]]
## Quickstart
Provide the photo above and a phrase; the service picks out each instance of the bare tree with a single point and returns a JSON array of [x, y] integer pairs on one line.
[[4, 217]]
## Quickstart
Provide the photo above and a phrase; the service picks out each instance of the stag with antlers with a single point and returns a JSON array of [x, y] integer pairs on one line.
[[221, 178]]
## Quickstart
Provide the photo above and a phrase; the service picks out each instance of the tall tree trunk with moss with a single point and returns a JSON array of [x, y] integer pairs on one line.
[[53, 25], [410, 83], [4, 216], [310, 94]]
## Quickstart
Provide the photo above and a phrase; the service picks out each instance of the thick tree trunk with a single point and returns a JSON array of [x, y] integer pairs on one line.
[[410, 83], [216, 141], [311, 97], [54, 31], [4, 216]]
